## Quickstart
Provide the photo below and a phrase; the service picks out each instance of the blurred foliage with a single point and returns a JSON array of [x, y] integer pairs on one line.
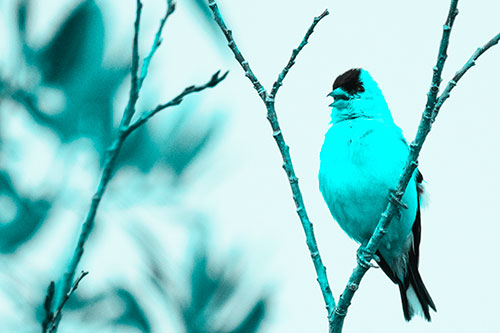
[[206, 14], [71, 63], [133, 314], [26, 215], [47, 306], [201, 304], [183, 144], [78, 43], [114, 307], [206, 17], [211, 288]]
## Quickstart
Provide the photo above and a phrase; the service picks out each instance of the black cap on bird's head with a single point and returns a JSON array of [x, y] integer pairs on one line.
[[355, 94], [348, 85], [349, 82]]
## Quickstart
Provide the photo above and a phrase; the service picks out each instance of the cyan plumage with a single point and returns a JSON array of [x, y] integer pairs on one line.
[[362, 158]]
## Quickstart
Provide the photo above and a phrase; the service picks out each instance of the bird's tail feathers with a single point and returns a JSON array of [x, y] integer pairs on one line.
[[414, 296], [419, 300]]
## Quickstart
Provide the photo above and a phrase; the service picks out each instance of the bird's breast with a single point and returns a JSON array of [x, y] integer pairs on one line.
[[360, 162]]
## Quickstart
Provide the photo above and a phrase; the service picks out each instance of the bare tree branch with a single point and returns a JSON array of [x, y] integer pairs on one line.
[[156, 43], [176, 100], [134, 89], [458, 75], [57, 314], [112, 152], [268, 100], [411, 164], [295, 53]]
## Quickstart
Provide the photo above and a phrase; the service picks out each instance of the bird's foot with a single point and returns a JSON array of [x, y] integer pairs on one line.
[[364, 258]]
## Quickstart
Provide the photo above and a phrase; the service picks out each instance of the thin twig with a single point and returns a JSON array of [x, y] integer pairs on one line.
[[268, 100], [156, 42], [112, 152], [57, 313], [411, 164], [176, 100], [458, 75], [109, 163], [295, 52], [134, 88], [237, 54]]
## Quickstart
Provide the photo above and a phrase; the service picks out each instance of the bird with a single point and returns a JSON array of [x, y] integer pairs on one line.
[[361, 160]]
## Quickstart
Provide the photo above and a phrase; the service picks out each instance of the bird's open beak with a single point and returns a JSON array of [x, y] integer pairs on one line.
[[338, 94], [331, 95]]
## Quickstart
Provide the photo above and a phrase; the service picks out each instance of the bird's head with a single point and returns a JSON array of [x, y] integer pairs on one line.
[[356, 95]]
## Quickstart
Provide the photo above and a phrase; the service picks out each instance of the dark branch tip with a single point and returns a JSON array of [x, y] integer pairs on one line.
[[216, 79], [171, 7], [325, 12]]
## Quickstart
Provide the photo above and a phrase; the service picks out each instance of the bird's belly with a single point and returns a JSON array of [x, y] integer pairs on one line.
[[356, 201], [355, 178]]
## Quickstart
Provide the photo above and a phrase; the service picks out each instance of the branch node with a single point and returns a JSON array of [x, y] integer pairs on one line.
[[395, 198], [427, 115], [340, 312], [352, 286]]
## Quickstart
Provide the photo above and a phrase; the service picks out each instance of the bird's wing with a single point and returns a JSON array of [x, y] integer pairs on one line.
[[417, 229], [412, 277]]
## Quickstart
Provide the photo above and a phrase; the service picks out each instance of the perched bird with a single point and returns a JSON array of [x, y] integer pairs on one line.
[[362, 158]]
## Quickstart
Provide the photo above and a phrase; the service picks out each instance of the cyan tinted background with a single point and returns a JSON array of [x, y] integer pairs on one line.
[[236, 188]]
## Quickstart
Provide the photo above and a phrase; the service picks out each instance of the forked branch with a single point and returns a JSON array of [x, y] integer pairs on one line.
[[268, 100], [431, 110], [124, 130]]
